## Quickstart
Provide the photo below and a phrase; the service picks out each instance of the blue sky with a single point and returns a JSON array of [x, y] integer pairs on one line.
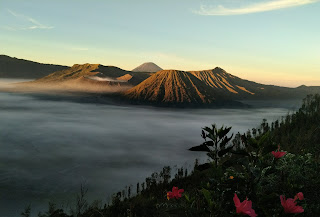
[[267, 41]]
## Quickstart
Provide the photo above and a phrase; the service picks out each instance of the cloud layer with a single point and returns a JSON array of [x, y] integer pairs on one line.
[[220, 10], [34, 24]]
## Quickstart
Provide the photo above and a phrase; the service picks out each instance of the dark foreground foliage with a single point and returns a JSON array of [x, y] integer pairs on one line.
[[243, 165]]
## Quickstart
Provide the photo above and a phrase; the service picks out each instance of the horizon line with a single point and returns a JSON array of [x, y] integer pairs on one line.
[[162, 69]]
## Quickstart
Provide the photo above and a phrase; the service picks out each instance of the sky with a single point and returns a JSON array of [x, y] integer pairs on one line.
[[268, 41]]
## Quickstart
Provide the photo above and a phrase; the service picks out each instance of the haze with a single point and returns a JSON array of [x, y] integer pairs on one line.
[[51, 144], [62, 88], [268, 41]]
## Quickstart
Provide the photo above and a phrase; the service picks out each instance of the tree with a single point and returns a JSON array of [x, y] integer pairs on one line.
[[138, 188], [129, 191]]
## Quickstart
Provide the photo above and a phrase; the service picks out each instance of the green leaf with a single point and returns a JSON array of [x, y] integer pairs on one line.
[[268, 149], [222, 132], [225, 141], [211, 136], [240, 152], [207, 196], [265, 139], [224, 151], [255, 171], [265, 170], [208, 143], [211, 131], [230, 162], [253, 142], [200, 148], [187, 197]]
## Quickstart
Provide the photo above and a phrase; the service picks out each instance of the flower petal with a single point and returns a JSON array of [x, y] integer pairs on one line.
[[236, 200], [300, 196]]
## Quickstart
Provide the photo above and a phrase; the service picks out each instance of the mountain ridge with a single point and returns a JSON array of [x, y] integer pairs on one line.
[[12, 67], [172, 86], [215, 85], [87, 70]]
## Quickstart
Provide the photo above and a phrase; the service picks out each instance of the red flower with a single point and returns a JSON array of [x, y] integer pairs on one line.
[[290, 206], [244, 208], [299, 196], [278, 154], [176, 193]]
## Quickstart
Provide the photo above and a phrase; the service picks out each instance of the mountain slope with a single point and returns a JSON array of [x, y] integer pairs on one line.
[[163, 87], [88, 78], [236, 88], [94, 71], [171, 87], [19, 68], [147, 67], [85, 70], [207, 87], [222, 81]]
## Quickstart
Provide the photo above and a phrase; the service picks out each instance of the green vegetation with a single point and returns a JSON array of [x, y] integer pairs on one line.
[[243, 165]]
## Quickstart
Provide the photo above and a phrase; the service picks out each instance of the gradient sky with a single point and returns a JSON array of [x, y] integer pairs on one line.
[[267, 41]]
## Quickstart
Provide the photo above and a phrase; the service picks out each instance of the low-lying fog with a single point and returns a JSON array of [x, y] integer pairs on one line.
[[48, 148], [78, 86], [97, 78]]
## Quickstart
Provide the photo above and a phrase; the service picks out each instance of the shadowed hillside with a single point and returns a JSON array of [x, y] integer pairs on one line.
[[19, 68]]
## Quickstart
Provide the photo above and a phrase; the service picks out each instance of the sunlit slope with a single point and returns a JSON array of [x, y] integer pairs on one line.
[[228, 85], [87, 71], [222, 81], [75, 72], [207, 87], [172, 86]]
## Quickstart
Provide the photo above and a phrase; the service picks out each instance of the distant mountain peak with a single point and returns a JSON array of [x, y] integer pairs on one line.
[[147, 67]]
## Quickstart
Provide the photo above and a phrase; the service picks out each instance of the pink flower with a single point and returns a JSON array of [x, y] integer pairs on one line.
[[278, 154], [290, 206], [299, 196], [244, 208], [176, 193]]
